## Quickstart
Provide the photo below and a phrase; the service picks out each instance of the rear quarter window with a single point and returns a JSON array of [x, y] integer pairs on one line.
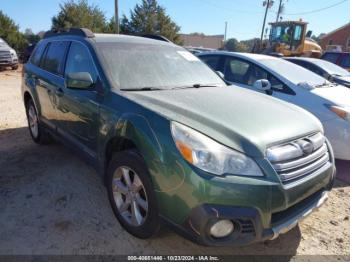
[[55, 57]]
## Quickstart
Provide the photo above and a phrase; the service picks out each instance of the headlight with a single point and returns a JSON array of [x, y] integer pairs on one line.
[[210, 156], [13, 53], [343, 112]]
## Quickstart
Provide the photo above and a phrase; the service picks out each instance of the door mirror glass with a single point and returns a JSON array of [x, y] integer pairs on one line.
[[263, 85], [80, 80], [309, 33]]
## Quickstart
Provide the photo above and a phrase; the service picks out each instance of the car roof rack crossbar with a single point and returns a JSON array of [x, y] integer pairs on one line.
[[84, 32], [157, 37]]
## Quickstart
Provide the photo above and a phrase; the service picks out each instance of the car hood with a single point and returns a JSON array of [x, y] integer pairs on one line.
[[338, 94], [239, 118], [5, 48]]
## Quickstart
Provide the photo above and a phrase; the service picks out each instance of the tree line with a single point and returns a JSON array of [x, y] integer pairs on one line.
[[148, 17]]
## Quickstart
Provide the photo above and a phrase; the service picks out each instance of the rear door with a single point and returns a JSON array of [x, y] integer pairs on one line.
[[50, 81], [78, 109]]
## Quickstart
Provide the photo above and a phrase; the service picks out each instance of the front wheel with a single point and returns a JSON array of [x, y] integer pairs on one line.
[[131, 194]]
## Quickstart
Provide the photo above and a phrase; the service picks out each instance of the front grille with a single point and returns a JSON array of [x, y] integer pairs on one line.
[[5, 56], [300, 158]]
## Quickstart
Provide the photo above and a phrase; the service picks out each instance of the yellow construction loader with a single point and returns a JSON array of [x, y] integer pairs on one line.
[[289, 38]]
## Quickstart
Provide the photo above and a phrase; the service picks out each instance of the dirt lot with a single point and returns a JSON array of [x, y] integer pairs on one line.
[[51, 202]]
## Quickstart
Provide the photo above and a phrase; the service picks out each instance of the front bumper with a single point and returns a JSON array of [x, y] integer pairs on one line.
[[260, 207], [247, 221], [8, 61], [291, 222]]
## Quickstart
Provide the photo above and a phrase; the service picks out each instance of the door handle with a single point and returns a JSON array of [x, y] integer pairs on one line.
[[59, 92]]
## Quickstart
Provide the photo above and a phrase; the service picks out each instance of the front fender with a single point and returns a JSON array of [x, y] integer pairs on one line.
[[153, 140]]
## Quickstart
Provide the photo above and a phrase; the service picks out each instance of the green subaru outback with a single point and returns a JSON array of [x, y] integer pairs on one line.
[[174, 144]]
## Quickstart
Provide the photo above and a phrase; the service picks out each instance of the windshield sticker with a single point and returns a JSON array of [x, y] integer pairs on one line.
[[188, 56]]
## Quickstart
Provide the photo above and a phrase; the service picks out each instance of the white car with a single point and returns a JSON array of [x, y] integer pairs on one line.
[[8, 56], [289, 82]]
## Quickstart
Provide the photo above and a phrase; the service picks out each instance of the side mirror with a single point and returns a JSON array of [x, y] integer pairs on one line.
[[80, 80], [309, 33], [263, 85], [330, 78], [219, 73]]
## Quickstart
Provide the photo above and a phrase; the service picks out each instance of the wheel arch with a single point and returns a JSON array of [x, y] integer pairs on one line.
[[132, 132], [26, 97]]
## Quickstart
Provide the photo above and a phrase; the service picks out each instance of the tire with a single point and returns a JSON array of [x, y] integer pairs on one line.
[[126, 197], [37, 132]]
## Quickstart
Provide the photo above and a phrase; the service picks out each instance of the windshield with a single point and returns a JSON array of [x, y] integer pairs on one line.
[[331, 68], [292, 72], [136, 66]]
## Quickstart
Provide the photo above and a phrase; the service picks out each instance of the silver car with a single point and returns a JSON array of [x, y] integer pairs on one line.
[[8, 56]]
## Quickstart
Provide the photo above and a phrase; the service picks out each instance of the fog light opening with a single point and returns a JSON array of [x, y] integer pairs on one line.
[[222, 228]]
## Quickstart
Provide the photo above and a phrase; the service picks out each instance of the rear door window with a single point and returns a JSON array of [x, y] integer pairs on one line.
[[37, 54], [55, 56], [212, 61]]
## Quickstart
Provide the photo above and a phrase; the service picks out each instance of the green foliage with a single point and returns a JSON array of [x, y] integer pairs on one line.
[[111, 27], [9, 31], [150, 18], [80, 14], [233, 45], [31, 37]]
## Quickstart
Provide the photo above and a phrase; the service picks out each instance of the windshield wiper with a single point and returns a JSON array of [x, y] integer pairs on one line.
[[322, 85], [195, 86], [142, 89]]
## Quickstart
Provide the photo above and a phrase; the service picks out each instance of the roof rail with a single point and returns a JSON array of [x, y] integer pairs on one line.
[[84, 32], [157, 37]]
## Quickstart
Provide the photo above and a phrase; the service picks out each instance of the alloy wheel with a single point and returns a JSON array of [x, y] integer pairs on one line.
[[130, 196]]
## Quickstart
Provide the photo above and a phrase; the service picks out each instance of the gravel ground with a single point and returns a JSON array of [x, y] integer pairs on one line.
[[51, 202]]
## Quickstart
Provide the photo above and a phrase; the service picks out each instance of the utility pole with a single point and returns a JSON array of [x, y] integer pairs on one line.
[[279, 10], [225, 32], [268, 4], [116, 15]]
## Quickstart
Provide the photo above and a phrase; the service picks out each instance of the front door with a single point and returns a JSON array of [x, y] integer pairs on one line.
[[78, 109], [244, 73]]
